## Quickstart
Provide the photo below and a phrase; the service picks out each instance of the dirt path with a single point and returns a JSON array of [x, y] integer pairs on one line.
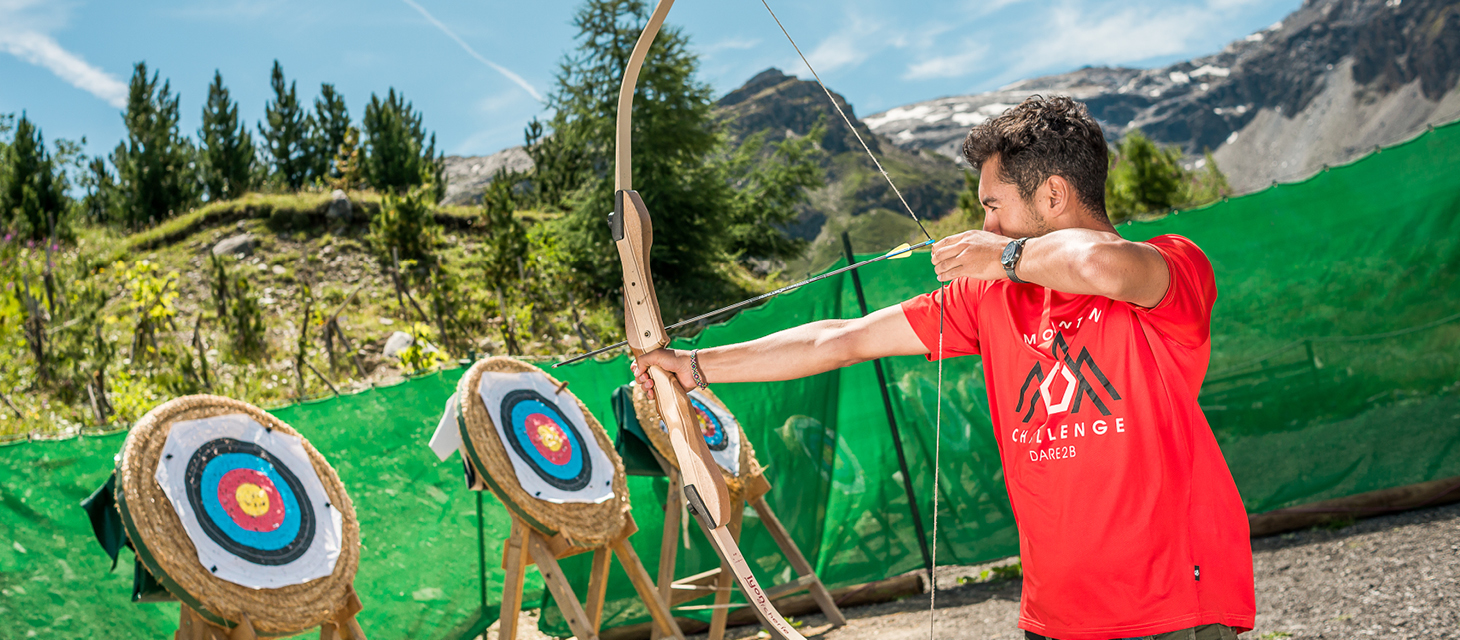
[[1394, 577], [1390, 577]]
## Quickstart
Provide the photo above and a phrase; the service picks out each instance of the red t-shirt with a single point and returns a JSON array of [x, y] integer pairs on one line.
[[1129, 522]]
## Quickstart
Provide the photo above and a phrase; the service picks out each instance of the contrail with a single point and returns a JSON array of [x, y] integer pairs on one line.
[[499, 68]]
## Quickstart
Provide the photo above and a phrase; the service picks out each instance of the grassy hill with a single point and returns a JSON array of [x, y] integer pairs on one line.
[[299, 257]]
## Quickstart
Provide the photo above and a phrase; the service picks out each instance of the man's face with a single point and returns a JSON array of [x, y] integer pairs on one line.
[[1005, 213]]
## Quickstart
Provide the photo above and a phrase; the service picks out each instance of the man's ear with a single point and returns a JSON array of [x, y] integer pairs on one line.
[[1059, 194]]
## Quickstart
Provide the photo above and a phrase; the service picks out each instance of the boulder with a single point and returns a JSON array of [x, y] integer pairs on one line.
[[339, 207], [395, 343], [240, 245]]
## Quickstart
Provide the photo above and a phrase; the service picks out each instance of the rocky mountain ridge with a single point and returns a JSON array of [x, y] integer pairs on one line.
[[1325, 85]]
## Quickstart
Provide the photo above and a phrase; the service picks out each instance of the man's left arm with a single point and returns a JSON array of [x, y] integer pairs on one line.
[[1077, 261]]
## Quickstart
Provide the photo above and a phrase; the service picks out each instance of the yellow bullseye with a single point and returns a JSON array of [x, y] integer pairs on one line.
[[252, 499], [550, 436]]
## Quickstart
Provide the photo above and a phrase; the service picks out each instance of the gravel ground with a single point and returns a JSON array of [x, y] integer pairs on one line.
[[1390, 577]]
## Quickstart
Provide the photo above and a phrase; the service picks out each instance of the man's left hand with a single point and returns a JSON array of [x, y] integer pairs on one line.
[[971, 254]]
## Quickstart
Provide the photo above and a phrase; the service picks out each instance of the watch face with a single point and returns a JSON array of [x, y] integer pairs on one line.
[[1008, 256]]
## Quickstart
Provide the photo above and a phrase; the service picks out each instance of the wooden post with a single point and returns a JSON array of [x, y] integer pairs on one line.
[[719, 616], [598, 587], [798, 561], [515, 565], [669, 541], [658, 607], [552, 576]]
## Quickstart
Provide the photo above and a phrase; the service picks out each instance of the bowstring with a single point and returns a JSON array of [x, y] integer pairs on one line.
[[942, 290]]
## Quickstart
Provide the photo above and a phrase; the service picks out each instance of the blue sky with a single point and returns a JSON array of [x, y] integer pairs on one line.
[[477, 68]]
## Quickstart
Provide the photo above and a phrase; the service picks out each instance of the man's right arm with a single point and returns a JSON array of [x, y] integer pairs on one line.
[[797, 352]]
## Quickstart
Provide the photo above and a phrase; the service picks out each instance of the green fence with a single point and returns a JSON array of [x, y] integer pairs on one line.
[[1335, 371]]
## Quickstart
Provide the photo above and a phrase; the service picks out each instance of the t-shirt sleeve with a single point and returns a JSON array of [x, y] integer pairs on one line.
[[1185, 313], [960, 321]]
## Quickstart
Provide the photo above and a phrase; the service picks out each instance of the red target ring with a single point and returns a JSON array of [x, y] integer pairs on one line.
[[548, 437], [251, 500]]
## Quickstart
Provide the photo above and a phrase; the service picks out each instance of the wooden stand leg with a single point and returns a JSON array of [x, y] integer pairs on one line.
[[664, 623], [720, 615], [346, 626], [798, 562], [244, 631], [515, 563], [669, 543], [189, 625], [598, 587], [552, 575]]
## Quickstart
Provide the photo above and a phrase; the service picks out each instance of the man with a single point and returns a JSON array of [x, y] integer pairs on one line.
[[1094, 349]]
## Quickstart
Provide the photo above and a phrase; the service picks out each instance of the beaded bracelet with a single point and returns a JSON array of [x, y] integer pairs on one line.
[[694, 369]]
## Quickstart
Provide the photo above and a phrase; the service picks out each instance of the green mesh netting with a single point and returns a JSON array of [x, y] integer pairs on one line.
[[1335, 370]]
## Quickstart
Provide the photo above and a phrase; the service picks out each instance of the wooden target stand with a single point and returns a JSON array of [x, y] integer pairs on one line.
[[132, 509], [751, 488], [526, 547], [600, 529]]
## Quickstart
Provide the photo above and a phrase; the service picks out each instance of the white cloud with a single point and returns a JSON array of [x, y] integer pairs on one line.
[[859, 40], [25, 32], [516, 79], [953, 65], [732, 44], [1131, 35]]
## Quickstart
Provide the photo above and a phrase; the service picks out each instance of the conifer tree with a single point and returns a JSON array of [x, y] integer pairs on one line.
[[675, 139], [331, 124], [1147, 177], [156, 176], [226, 160], [286, 138], [32, 186], [398, 154]]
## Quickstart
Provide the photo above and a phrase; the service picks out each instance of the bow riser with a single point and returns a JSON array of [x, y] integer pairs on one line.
[[633, 234]]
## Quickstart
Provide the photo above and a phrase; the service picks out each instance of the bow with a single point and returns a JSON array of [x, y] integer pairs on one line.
[[633, 235]]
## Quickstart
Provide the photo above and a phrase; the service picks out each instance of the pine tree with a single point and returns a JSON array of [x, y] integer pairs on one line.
[[331, 124], [226, 160], [675, 139], [286, 139], [1147, 177], [398, 155], [32, 186], [156, 176]]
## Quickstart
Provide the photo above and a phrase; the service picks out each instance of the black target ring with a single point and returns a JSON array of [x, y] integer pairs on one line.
[[290, 551], [566, 478]]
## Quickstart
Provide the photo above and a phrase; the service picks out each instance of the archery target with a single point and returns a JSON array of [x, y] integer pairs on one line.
[[547, 439], [721, 431], [250, 501]]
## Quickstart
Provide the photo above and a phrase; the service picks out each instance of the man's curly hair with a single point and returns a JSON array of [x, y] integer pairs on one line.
[[1040, 138]]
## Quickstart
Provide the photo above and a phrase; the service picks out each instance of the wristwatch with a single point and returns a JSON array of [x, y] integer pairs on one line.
[[1012, 252]]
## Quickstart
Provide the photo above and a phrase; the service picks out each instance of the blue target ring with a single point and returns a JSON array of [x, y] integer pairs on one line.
[[278, 546], [267, 541], [546, 440], [715, 437]]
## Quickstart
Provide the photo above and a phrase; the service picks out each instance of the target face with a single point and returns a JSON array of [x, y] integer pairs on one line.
[[539, 432], [553, 454], [719, 428], [250, 501]]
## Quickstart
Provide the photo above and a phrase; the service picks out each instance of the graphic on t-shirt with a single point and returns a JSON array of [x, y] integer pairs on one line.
[[1071, 372]]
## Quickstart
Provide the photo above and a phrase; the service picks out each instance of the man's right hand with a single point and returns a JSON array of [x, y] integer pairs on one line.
[[671, 361]]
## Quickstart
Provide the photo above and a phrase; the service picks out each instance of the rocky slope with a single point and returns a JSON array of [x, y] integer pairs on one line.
[[856, 198], [468, 176], [1325, 85]]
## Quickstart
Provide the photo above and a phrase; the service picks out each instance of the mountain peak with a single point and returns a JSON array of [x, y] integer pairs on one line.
[[1327, 83]]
